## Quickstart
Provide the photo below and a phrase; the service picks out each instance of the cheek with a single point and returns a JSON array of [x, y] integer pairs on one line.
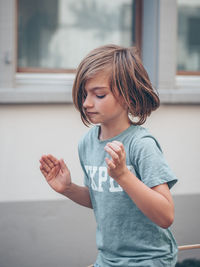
[[103, 107], [109, 106]]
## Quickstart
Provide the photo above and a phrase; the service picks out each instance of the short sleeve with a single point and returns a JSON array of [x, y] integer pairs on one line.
[[150, 165]]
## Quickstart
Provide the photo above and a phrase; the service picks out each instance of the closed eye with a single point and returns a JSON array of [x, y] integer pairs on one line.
[[100, 96]]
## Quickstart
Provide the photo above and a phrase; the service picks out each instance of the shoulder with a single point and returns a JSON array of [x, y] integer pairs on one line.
[[144, 142], [148, 160]]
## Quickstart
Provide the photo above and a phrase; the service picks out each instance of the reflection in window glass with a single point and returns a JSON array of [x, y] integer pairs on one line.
[[189, 35], [58, 33]]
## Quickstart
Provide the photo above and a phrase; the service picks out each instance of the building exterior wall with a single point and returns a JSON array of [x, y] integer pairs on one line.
[[39, 227], [61, 233], [28, 131]]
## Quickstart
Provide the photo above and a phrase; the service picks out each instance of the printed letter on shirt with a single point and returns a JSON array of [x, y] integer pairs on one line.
[[91, 171], [114, 188], [102, 177]]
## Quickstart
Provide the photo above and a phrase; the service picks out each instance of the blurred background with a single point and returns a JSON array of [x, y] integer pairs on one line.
[[41, 44]]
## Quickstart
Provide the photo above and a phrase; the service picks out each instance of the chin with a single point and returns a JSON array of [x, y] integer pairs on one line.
[[93, 121]]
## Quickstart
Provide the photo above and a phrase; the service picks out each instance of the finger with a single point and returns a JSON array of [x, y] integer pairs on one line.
[[53, 173], [119, 149], [48, 161], [110, 163], [115, 147], [54, 160], [112, 153], [43, 172], [119, 144], [44, 165]]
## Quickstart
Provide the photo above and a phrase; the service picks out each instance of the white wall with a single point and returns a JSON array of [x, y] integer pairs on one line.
[[177, 127], [28, 131]]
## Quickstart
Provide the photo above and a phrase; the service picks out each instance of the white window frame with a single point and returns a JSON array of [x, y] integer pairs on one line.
[[39, 88], [159, 40], [160, 46], [26, 87]]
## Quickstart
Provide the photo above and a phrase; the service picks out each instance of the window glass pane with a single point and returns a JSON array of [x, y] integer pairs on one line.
[[58, 33], [189, 35]]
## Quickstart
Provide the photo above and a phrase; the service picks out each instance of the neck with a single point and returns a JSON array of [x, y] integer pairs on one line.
[[111, 130]]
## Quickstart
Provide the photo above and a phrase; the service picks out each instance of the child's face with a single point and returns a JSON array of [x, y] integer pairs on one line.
[[100, 105]]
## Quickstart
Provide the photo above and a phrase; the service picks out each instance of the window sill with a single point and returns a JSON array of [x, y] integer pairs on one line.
[[187, 91], [39, 88], [57, 88]]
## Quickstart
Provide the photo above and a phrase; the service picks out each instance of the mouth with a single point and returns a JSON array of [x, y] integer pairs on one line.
[[91, 113]]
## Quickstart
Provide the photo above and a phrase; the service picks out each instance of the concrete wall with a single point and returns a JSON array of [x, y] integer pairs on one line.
[[46, 233], [61, 233]]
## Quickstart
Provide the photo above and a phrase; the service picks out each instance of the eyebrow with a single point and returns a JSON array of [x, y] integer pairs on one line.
[[98, 88]]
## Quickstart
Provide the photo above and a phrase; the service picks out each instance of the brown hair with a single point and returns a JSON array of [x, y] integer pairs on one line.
[[126, 74]]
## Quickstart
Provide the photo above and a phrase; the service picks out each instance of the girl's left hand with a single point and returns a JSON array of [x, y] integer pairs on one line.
[[117, 164]]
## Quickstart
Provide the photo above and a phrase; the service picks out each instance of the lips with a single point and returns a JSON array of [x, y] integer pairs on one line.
[[91, 113]]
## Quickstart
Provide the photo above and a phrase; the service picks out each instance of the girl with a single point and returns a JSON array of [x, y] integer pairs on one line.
[[127, 179]]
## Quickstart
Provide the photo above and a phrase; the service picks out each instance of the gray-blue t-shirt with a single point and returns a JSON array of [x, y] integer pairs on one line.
[[125, 236]]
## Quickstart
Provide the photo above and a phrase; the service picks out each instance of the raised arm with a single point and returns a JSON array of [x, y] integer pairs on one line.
[[58, 177], [156, 203]]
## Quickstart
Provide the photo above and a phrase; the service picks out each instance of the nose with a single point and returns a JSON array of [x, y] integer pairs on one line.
[[88, 103]]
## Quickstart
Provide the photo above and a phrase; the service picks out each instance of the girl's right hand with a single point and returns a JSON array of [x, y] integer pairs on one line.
[[56, 173]]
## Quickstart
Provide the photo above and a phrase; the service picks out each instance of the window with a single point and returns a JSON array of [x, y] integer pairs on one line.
[[160, 53], [39, 66], [54, 35], [188, 52]]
